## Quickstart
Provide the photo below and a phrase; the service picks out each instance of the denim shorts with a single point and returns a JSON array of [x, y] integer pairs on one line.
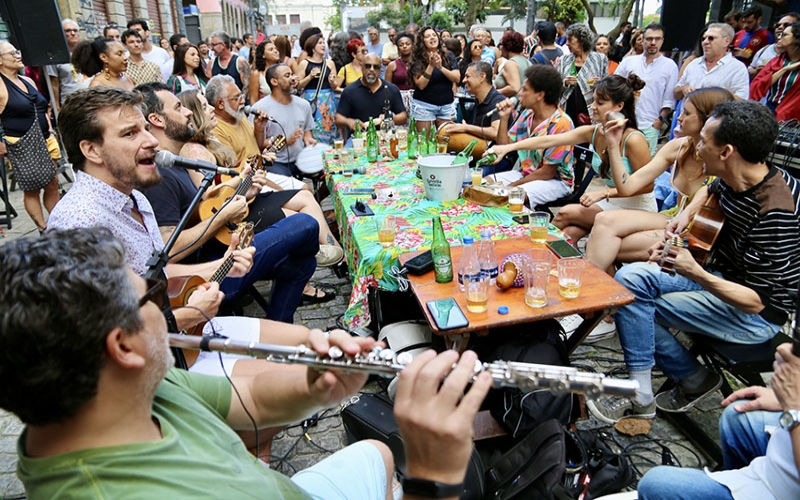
[[424, 112]]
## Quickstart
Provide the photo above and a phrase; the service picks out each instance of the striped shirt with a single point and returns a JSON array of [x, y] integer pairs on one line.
[[757, 247]]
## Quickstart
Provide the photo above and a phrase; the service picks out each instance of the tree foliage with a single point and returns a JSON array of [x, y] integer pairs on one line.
[[396, 16], [566, 11]]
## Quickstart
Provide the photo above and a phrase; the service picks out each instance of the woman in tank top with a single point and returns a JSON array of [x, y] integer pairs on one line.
[[512, 72], [611, 94], [625, 235], [397, 70], [309, 72], [434, 75], [186, 71]]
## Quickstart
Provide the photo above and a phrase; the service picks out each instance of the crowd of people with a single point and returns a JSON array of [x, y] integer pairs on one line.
[[534, 99]]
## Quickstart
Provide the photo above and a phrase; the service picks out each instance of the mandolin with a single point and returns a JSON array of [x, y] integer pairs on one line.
[[180, 288], [207, 208], [699, 238]]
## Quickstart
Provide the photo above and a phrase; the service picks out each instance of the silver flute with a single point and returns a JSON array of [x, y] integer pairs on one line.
[[384, 362]]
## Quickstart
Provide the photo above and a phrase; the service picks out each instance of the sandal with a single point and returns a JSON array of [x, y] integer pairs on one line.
[[317, 298]]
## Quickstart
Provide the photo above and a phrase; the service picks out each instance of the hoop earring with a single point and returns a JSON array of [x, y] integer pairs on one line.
[[105, 70]]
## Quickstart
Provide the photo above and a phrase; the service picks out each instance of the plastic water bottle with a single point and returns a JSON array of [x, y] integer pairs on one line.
[[487, 258], [468, 266]]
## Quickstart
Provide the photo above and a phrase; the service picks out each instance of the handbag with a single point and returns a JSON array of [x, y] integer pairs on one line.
[[33, 167]]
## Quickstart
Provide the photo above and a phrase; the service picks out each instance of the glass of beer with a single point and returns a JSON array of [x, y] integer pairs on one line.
[[570, 272], [477, 176], [338, 144], [441, 147], [476, 287], [358, 146], [516, 198], [387, 229], [538, 226]]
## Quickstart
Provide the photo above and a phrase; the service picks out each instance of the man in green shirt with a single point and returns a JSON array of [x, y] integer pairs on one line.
[[86, 365]]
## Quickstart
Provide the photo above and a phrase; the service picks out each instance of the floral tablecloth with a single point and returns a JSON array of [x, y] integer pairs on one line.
[[400, 193]]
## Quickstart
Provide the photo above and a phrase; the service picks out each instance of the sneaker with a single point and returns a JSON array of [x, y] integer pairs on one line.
[[570, 323], [603, 330], [329, 255], [610, 409], [679, 399]]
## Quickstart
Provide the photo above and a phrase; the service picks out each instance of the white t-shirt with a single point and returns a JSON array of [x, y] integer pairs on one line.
[[660, 76], [158, 56]]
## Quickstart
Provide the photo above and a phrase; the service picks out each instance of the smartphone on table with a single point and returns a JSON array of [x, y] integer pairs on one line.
[[447, 314], [563, 249]]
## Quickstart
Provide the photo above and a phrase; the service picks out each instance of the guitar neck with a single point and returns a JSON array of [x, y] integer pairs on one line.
[[222, 272]]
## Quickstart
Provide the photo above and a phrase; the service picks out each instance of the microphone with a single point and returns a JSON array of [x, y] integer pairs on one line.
[[250, 110], [165, 159], [361, 169], [514, 102]]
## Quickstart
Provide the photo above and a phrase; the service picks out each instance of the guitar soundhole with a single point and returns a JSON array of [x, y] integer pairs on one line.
[[213, 210]]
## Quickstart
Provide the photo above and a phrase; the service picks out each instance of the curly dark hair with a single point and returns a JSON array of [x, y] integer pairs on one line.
[[60, 296], [260, 61], [419, 56], [86, 55], [545, 78], [339, 50], [748, 126]]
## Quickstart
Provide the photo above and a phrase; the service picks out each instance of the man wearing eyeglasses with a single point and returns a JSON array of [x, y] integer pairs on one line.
[[717, 67], [90, 374], [766, 54], [660, 73], [63, 77], [368, 98]]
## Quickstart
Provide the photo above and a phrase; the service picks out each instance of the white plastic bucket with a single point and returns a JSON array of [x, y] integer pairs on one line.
[[441, 179]]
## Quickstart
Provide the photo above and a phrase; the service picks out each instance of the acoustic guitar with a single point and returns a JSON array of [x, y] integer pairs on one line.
[[207, 208], [180, 288], [699, 239]]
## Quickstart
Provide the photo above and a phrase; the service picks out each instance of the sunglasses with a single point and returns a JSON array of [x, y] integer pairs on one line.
[[710, 38], [783, 25], [372, 66], [156, 289], [70, 30]]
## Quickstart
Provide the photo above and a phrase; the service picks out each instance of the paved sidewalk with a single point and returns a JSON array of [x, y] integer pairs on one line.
[[295, 449]]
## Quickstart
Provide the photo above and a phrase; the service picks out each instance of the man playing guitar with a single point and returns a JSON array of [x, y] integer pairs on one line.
[[745, 298]]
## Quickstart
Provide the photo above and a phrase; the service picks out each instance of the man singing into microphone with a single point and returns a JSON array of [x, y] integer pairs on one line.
[[370, 97], [545, 175]]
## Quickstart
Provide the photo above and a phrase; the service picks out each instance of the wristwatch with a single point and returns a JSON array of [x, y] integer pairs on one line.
[[431, 489], [790, 419]]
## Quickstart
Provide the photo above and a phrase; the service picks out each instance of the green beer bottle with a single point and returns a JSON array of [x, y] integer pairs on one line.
[[373, 144], [357, 131], [464, 156], [489, 159], [440, 251], [413, 140]]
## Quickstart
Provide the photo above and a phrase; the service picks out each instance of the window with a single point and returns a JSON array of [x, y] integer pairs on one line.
[[294, 18], [280, 19], [268, 20]]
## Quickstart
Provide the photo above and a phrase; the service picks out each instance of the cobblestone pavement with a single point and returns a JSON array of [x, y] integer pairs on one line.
[[294, 449]]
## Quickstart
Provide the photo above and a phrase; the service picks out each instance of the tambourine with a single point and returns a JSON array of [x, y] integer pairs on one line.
[[458, 141], [309, 161]]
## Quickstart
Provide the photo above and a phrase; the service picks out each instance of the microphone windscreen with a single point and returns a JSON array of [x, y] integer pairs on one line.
[[164, 159]]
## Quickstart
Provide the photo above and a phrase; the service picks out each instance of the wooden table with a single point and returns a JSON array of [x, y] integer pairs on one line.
[[600, 295]]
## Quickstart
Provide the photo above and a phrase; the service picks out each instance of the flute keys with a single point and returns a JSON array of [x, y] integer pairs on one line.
[[404, 358], [386, 355], [335, 352]]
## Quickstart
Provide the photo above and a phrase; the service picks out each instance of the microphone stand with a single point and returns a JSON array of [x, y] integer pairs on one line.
[[158, 261]]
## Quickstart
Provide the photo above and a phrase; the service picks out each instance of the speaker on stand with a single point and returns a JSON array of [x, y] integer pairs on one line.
[[683, 20]]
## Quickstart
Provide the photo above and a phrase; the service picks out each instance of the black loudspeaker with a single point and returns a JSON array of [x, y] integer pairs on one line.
[[683, 20], [36, 31]]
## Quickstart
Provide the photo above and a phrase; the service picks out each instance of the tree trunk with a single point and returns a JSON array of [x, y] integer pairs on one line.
[[626, 12], [589, 15]]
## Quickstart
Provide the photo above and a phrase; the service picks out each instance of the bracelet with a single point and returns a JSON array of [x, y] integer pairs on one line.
[[607, 194], [426, 75]]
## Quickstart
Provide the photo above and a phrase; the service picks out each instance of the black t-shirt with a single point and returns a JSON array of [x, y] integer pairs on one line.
[[359, 102], [439, 90], [489, 103], [172, 196]]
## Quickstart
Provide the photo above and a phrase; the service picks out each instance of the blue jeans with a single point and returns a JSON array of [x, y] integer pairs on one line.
[[356, 471], [743, 435], [743, 438], [664, 301], [677, 483], [285, 254]]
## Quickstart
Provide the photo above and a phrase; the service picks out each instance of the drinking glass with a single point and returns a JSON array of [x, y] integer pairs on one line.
[[570, 272], [538, 226]]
